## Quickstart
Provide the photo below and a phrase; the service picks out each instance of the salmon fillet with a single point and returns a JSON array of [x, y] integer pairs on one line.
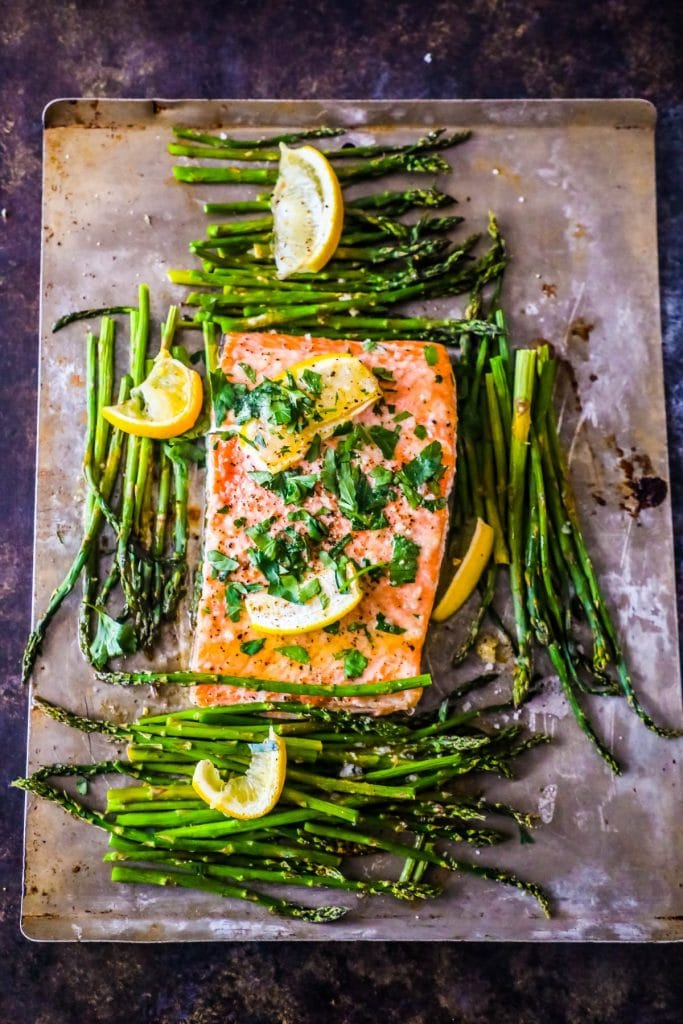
[[419, 406]]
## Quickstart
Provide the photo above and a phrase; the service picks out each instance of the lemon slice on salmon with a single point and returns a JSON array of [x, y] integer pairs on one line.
[[308, 211], [275, 615], [338, 387], [166, 404], [250, 795], [467, 574]]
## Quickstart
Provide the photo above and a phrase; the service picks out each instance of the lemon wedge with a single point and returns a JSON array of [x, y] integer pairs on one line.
[[250, 795], [342, 388], [468, 573], [166, 404], [275, 615], [308, 211]]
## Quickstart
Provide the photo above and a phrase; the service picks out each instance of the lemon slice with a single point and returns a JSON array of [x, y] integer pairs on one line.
[[250, 795], [270, 614], [308, 211], [468, 573], [345, 387], [166, 404]]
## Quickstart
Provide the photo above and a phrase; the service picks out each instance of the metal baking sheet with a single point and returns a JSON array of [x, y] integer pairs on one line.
[[573, 186]]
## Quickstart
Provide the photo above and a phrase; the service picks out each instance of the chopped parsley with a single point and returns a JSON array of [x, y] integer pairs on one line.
[[239, 522], [313, 381], [249, 371], [425, 469], [313, 452], [385, 439], [234, 593], [420, 431], [316, 529], [369, 345], [221, 564], [333, 628], [293, 487], [384, 626], [404, 555], [295, 652], [401, 416], [283, 559], [431, 355], [252, 646], [360, 501], [382, 373], [355, 663], [277, 402]]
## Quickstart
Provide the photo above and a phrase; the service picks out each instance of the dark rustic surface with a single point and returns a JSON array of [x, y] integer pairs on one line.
[[486, 48]]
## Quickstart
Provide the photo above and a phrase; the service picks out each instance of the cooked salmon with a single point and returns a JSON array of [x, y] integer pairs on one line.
[[389, 626]]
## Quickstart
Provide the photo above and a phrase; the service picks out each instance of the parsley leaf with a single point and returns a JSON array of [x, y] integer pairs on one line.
[[382, 373], [384, 626], [221, 564], [355, 663], [400, 416], [386, 440], [252, 646], [292, 487], [420, 431], [112, 639], [431, 355], [295, 652], [249, 371], [425, 468], [404, 556], [317, 530], [234, 592], [279, 402], [313, 381], [313, 452]]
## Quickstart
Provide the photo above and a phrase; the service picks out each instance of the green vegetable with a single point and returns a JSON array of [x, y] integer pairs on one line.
[[404, 560], [295, 652]]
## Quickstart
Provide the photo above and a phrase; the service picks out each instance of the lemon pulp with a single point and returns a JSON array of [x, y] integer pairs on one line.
[[308, 211], [165, 404], [250, 795]]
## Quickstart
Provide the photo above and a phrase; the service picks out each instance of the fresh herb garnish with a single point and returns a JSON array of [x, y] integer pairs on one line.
[[293, 487], [277, 402], [431, 355], [382, 373], [221, 564], [313, 452], [252, 646], [249, 371], [420, 431], [313, 381], [316, 529], [112, 639], [425, 469], [234, 594], [384, 626], [404, 555], [385, 439], [355, 663], [239, 522], [295, 652], [401, 416]]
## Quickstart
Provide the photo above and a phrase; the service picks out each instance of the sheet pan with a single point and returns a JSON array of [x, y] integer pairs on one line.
[[573, 186]]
